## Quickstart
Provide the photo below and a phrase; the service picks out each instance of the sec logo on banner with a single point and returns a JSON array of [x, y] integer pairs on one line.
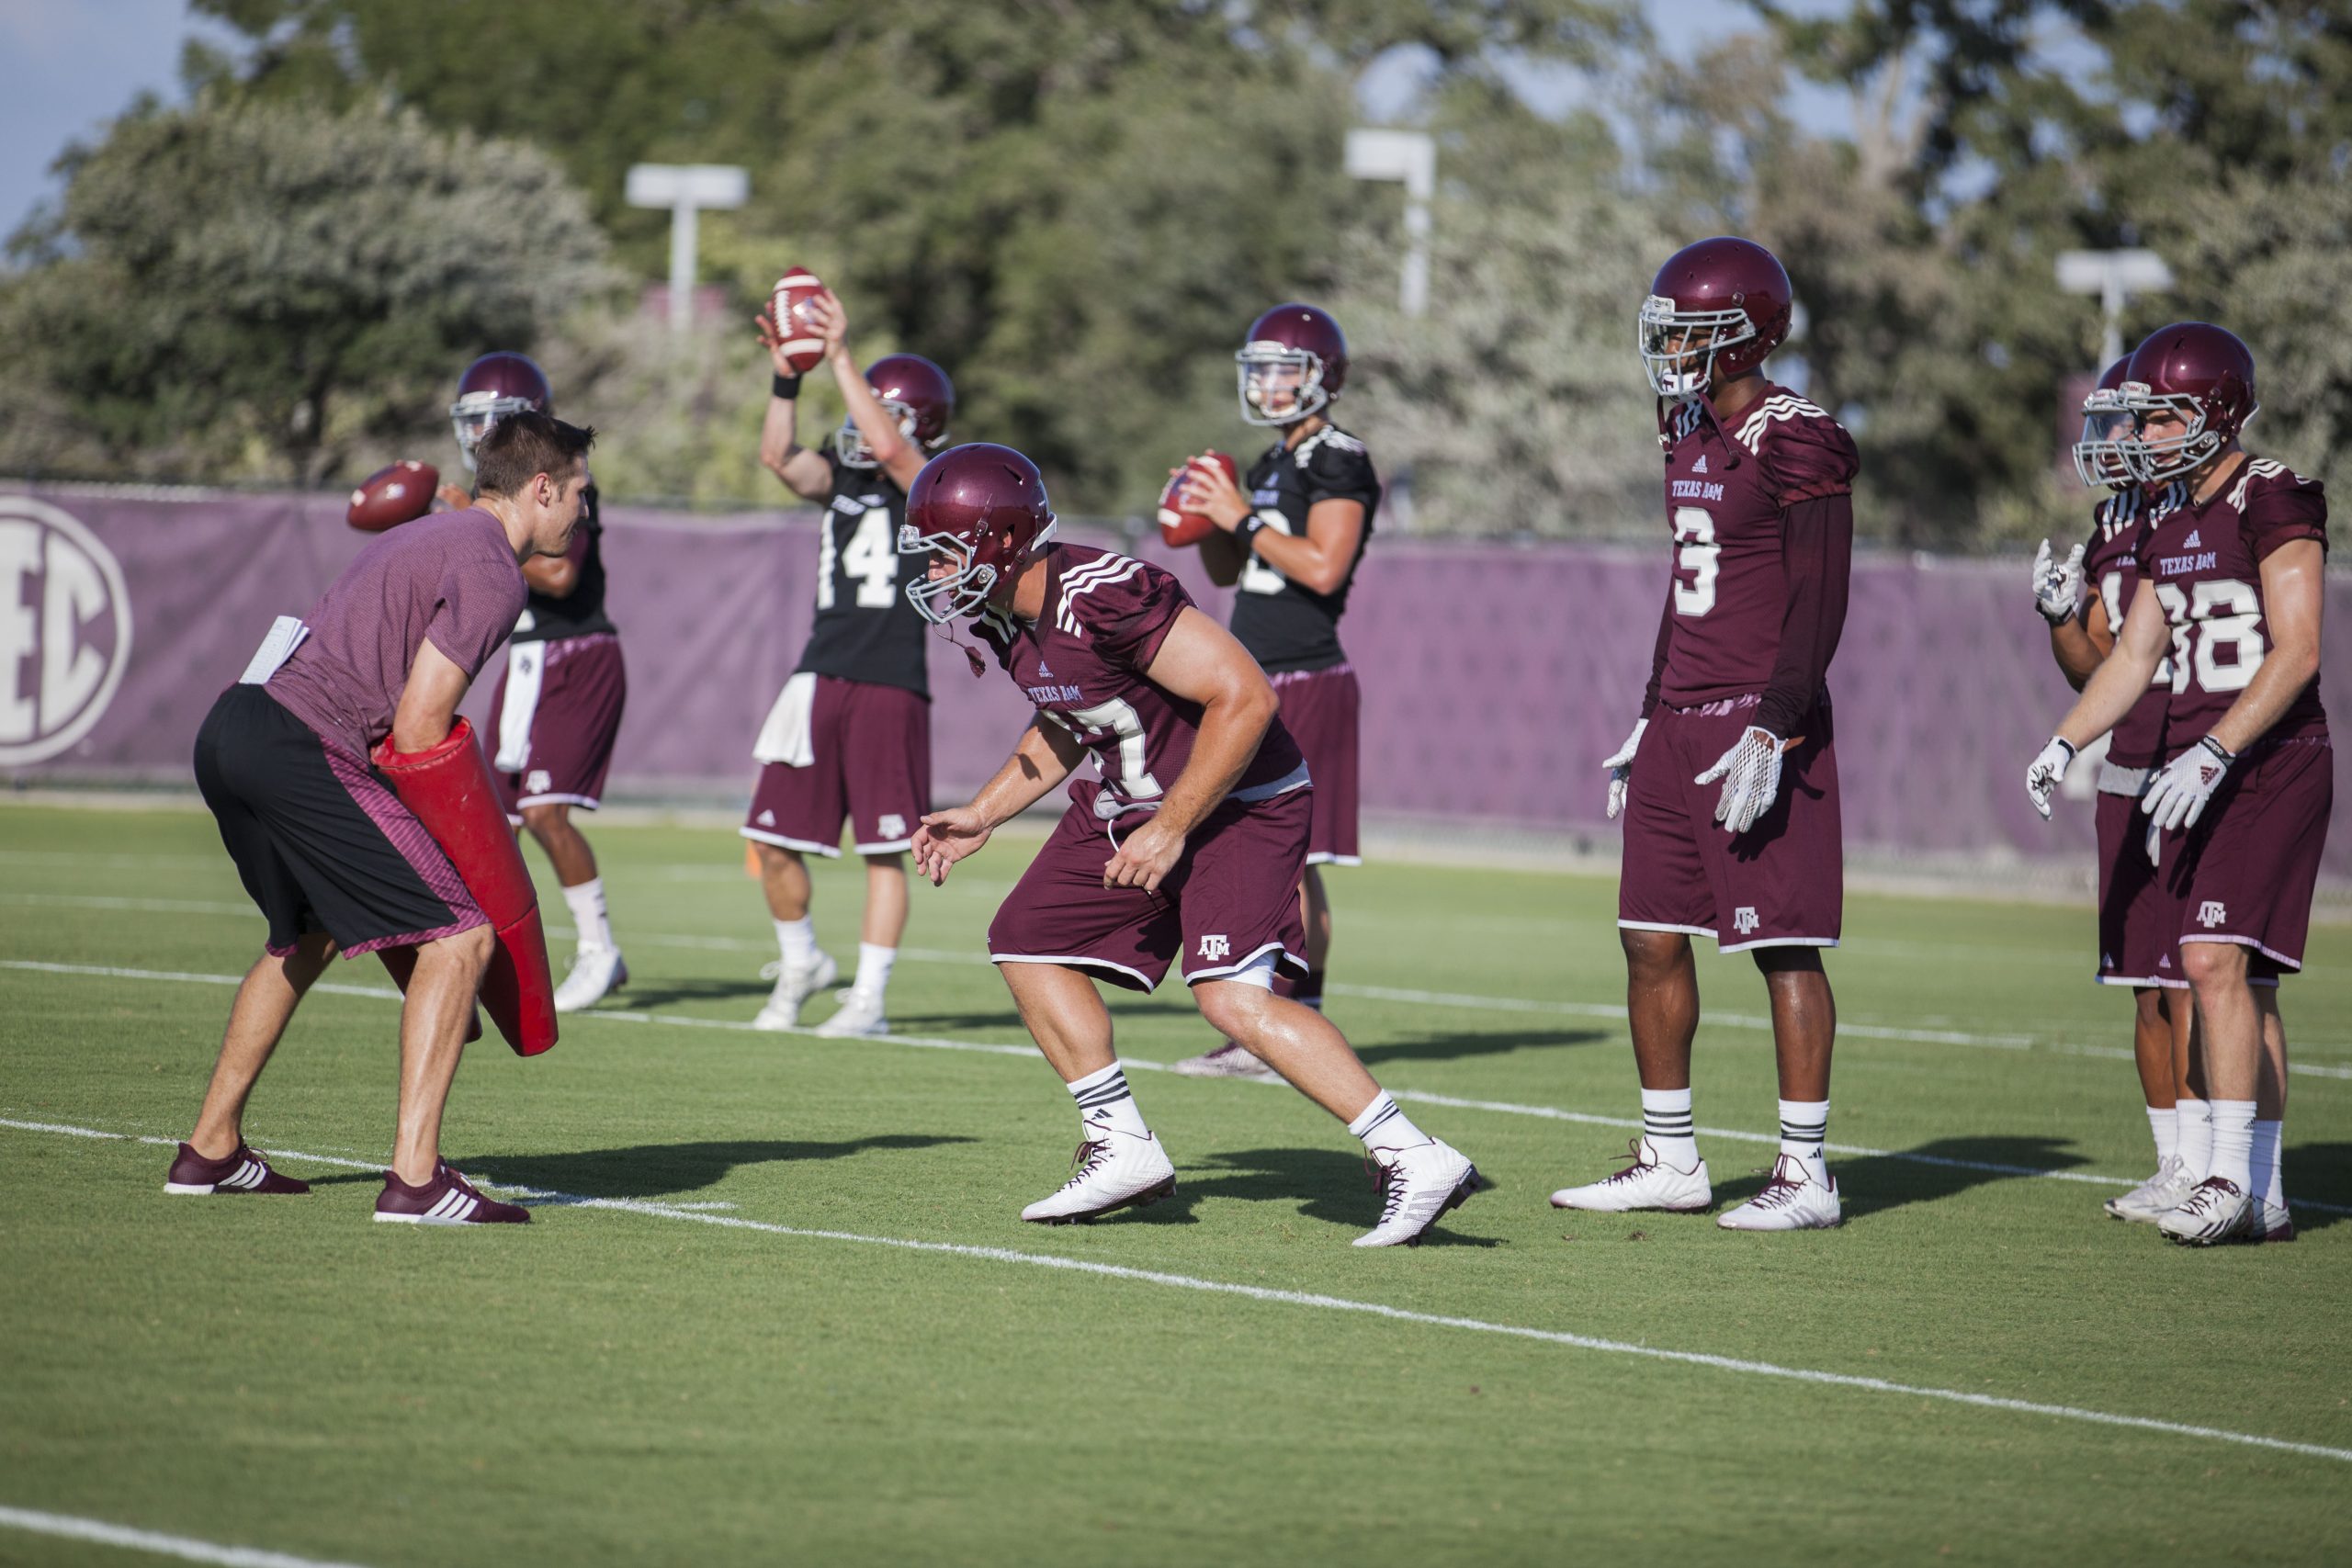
[[65, 631]]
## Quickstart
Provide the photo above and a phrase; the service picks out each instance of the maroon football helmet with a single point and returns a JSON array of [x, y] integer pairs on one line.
[[980, 512], [2199, 372], [916, 393], [1722, 302], [2099, 455], [496, 384], [1292, 365]]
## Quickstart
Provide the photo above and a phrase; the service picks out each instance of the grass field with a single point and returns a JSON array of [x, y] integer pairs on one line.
[[784, 1310]]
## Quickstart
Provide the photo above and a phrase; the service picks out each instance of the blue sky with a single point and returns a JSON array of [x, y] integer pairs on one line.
[[69, 65]]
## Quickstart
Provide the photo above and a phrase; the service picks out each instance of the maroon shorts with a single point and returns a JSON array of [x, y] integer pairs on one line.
[[1233, 897], [565, 732], [2137, 926], [1780, 884], [1320, 709], [871, 770], [2246, 873]]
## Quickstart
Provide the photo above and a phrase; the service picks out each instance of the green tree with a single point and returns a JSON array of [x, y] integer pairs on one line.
[[263, 289]]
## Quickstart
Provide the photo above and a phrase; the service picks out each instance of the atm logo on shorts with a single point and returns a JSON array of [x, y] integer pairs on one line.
[[65, 631], [2210, 914], [1743, 921], [1216, 947]]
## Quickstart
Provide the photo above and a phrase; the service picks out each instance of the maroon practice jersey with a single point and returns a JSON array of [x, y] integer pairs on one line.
[[1727, 505], [2204, 563], [1083, 664], [2138, 741]]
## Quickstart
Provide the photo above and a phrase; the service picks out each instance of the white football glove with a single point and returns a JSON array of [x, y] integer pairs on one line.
[[2058, 585], [2178, 795], [2042, 778], [1751, 775], [1620, 768]]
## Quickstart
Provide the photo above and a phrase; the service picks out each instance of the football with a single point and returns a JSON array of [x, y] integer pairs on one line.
[[391, 496], [804, 346], [1178, 527]]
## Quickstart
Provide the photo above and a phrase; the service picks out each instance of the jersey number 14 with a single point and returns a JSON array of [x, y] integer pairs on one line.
[[870, 559]]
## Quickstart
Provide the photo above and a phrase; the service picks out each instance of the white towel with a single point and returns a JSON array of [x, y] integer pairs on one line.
[[526, 667], [286, 635], [786, 738]]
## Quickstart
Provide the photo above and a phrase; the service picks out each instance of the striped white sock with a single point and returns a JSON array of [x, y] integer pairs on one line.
[[1105, 1101], [1383, 1125], [1804, 1128], [1665, 1122]]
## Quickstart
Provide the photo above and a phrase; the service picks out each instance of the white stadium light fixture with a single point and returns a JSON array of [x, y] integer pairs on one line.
[[685, 189], [1409, 156], [2114, 277]]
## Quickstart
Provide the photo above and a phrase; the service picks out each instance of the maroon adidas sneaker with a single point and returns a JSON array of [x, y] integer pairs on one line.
[[448, 1199], [193, 1176]]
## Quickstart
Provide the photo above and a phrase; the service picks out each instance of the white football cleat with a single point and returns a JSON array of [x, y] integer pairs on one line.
[[1230, 1060], [1648, 1183], [2267, 1222], [1418, 1186], [1792, 1200], [2156, 1197], [794, 987], [860, 1017], [1111, 1170], [2214, 1210], [595, 974]]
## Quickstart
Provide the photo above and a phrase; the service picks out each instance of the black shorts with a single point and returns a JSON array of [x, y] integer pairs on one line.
[[320, 841]]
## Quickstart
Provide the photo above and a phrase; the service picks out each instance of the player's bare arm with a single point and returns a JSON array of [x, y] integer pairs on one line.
[[1317, 561], [428, 706], [2109, 694], [1045, 757], [893, 453], [801, 470], [2081, 643], [1199, 660]]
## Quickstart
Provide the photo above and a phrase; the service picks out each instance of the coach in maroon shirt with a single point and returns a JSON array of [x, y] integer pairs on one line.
[[326, 851]]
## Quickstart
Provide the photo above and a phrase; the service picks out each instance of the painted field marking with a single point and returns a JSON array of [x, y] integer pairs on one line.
[[1029, 1053], [67, 1527], [1325, 1303]]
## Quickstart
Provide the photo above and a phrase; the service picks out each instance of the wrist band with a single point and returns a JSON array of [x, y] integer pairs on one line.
[[2219, 749], [1249, 531], [784, 387]]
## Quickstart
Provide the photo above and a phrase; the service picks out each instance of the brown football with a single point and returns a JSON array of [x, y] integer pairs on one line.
[[391, 496], [804, 346], [1178, 527]]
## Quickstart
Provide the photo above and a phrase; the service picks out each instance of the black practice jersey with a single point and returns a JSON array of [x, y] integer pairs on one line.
[[1283, 625], [582, 611], [864, 630]]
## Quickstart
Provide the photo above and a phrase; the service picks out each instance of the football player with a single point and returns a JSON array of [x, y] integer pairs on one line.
[[332, 858], [2237, 817], [1728, 782], [1189, 841], [2084, 597], [1292, 543], [850, 735], [560, 697]]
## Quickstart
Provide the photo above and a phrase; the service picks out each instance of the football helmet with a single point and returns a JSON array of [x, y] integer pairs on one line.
[[979, 511], [492, 386], [1722, 302], [2199, 372], [1290, 365], [2099, 455], [916, 393]]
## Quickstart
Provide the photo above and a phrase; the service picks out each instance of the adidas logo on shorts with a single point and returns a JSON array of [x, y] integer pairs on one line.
[[766, 819]]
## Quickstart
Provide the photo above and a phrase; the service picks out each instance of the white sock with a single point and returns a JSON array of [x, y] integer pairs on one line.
[[2165, 1125], [1804, 1128], [1384, 1126], [2269, 1163], [2196, 1144], [1105, 1101], [587, 901], [798, 940], [873, 969], [2233, 1142], [1665, 1122]]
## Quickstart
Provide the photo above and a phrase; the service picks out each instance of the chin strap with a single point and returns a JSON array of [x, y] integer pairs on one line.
[[972, 655]]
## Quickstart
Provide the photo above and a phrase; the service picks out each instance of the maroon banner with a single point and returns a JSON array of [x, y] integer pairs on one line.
[[1496, 677]]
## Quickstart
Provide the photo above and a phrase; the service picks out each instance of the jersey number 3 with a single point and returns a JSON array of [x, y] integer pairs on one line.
[[1696, 551], [1257, 577], [869, 559]]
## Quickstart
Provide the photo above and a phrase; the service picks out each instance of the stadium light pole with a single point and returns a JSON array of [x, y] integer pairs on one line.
[[2114, 277], [685, 189], [1409, 156]]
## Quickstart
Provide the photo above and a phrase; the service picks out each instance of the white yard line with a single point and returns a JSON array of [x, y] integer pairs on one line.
[[67, 1527], [1315, 1302], [1028, 1052]]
